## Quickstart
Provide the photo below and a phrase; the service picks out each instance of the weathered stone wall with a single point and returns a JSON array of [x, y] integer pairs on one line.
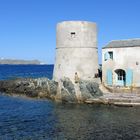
[[76, 50]]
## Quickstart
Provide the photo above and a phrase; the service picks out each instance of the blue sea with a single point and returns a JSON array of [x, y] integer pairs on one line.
[[36, 119]]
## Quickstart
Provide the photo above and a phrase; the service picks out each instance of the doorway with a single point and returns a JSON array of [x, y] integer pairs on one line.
[[120, 77]]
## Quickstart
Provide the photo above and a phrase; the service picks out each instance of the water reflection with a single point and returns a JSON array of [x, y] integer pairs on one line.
[[31, 119], [98, 122]]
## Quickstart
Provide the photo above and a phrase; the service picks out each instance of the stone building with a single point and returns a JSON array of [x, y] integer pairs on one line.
[[76, 50], [121, 63]]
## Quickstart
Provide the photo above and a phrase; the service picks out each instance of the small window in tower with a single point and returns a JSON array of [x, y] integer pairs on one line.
[[73, 34]]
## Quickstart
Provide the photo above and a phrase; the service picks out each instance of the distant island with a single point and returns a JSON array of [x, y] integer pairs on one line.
[[19, 62]]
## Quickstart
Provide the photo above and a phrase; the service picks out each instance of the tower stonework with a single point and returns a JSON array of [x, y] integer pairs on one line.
[[76, 50]]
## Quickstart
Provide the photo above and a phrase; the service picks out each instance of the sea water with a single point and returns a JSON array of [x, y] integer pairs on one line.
[[37, 119]]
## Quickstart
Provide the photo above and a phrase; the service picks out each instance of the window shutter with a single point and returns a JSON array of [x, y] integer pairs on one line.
[[109, 77], [129, 77], [106, 56]]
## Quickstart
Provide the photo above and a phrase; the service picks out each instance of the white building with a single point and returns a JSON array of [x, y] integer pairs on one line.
[[121, 63]]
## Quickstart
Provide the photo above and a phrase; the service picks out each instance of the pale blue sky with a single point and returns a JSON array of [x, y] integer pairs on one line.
[[27, 27]]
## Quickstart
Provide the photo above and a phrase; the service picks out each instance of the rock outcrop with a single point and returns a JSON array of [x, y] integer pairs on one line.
[[65, 90]]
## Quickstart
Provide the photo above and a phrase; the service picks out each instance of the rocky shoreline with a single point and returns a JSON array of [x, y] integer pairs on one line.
[[66, 91]]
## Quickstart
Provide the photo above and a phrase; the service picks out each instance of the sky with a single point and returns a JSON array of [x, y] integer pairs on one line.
[[28, 27]]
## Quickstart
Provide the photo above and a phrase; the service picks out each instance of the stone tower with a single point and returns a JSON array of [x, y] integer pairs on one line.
[[76, 50]]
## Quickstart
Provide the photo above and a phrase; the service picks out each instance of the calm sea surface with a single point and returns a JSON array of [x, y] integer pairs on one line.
[[30, 119]]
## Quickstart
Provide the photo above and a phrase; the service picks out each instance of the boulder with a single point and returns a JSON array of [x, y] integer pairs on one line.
[[68, 93], [52, 87], [89, 89]]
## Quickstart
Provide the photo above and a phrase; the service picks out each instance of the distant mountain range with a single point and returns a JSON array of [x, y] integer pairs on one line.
[[19, 62]]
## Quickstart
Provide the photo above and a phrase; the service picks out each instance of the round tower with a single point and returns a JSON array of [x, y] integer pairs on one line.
[[76, 50]]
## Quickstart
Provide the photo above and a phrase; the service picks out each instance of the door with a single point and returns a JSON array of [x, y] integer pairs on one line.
[[120, 77]]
